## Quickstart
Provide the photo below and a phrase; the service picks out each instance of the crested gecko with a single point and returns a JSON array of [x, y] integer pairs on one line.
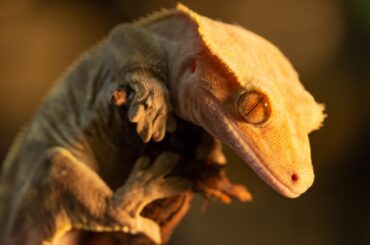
[[73, 166]]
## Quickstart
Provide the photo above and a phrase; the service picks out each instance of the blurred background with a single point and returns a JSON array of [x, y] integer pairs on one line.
[[328, 42]]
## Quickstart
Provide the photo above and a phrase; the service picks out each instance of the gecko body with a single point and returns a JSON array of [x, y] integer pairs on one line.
[[73, 166]]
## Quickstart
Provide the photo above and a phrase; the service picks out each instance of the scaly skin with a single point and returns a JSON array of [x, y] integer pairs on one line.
[[68, 168], [223, 69]]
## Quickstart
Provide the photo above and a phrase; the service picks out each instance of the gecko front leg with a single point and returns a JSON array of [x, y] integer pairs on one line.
[[149, 104], [139, 61]]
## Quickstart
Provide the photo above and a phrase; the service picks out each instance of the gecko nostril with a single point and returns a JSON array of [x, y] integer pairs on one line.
[[294, 177]]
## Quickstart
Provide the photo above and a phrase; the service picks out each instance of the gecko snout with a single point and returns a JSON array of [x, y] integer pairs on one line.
[[299, 181]]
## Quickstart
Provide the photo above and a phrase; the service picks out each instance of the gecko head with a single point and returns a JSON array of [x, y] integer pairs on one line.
[[242, 90], [265, 124]]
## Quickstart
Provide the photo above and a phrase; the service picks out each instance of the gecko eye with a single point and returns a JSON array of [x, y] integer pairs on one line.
[[254, 107]]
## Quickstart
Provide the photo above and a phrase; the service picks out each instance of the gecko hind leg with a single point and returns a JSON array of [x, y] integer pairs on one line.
[[63, 193], [95, 207], [147, 183]]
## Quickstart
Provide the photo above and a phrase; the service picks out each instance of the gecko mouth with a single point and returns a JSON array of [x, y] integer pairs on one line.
[[235, 141]]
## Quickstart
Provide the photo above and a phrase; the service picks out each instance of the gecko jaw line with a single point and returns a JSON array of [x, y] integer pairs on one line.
[[245, 151]]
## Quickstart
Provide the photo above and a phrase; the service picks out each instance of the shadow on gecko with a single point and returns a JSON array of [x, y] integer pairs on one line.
[[201, 162], [80, 162]]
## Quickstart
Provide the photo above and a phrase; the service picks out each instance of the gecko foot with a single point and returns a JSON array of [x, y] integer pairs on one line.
[[149, 105], [213, 183], [146, 184]]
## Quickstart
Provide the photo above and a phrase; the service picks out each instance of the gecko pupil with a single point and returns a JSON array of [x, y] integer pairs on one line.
[[254, 107]]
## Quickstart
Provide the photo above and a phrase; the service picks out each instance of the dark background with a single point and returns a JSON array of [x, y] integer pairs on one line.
[[328, 41]]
